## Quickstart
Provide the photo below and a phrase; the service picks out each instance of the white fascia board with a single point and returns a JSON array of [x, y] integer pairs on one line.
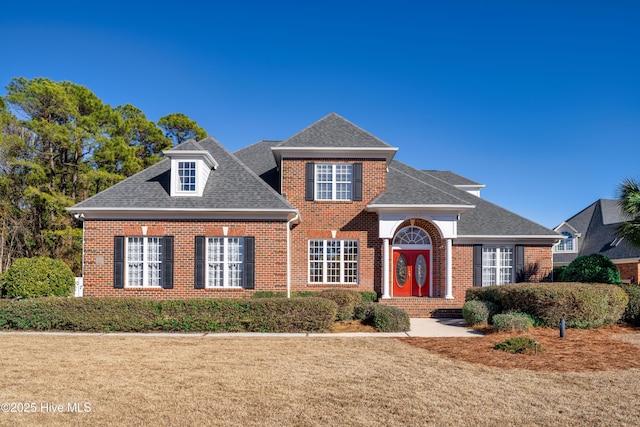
[[550, 239], [184, 214], [387, 153], [566, 225], [455, 209], [193, 154], [467, 187]]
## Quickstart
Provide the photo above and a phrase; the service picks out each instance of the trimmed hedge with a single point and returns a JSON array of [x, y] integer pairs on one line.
[[383, 318], [582, 305], [512, 320], [346, 300], [632, 312], [37, 277], [476, 312], [194, 315]]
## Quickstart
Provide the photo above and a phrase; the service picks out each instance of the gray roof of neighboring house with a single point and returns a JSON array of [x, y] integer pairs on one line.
[[231, 186], [597, 225], [333, 131]]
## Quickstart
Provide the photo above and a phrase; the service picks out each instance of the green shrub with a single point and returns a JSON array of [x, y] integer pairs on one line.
[[369, 296], [37, 277], [582, 305], [364, 310], [194, 315], [518, 345], [390, 319], [632, 312], [594, 268], [383, 318], [557, 272], [512, 320], [476, 312], [346, 300]]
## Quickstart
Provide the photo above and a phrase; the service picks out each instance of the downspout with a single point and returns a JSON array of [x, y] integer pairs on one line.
[[295, 218]]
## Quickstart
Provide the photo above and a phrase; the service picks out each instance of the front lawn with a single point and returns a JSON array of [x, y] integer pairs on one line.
[[304, 381]]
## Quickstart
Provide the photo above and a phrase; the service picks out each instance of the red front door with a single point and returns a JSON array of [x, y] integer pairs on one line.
[[411, 273]]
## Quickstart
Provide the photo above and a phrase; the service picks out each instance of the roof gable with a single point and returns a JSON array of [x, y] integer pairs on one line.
[[232, 186], [333, 131]]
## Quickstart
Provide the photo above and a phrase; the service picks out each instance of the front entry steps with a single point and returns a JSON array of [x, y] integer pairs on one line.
[[422, 307]]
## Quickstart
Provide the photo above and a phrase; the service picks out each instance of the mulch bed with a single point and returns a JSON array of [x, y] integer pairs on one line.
[[581, 350]]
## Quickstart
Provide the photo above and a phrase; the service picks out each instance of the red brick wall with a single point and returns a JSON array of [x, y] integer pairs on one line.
[[629, 271], [347, 218], [270, 252]]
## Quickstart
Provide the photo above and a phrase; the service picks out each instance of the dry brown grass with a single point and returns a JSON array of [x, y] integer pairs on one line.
[[146, 380]]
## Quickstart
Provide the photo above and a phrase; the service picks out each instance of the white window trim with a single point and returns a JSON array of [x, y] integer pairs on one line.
[[225, 262], [325, 261], [334, 182], [574, 242], [497, 267], [145, 262], [180, 184]]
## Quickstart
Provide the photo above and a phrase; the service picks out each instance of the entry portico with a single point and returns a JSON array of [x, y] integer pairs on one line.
[[409, 246]]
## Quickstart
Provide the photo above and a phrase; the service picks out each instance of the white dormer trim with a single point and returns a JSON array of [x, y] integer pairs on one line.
[[568, 245], [203, 162], [473, 189]]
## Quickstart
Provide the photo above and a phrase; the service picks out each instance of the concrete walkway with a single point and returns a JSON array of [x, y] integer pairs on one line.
[[425, 328]]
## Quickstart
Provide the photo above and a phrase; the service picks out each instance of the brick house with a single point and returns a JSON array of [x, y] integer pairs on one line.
[[326, 208], [593, 230]]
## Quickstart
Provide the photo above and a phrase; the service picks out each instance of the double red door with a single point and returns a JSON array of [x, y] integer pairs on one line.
[[411, 273]]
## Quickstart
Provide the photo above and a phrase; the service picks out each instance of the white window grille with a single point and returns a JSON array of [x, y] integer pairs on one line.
[[187, 176], [333, 261], [334, 181], [144, 261], [497, 265], [412, 236], [225, 262], [565, 245]]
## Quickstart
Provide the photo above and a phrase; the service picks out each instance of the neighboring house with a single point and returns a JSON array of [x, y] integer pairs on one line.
[[326, 208], [593, 231]]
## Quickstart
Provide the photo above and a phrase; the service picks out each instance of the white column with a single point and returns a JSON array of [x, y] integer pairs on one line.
[[449, 279], [385, 268]]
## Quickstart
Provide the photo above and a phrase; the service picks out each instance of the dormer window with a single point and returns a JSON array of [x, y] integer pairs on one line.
[[190, 169], [567, 244], [187, 176]]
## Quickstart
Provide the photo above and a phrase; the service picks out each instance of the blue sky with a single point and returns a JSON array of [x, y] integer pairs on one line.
[[538, 100]]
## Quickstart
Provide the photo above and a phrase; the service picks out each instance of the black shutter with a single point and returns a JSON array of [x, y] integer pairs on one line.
[[309, 181], [477, 265], [167, 262], [249, 262], [118, 262], [357, 182], [200, 262], [519, 261]]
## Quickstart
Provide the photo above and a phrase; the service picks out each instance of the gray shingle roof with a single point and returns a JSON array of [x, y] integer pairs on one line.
[[486, 219], [597, 225], [451, 177], [231, 186], [259, 158], [333, 131], [409, 186]]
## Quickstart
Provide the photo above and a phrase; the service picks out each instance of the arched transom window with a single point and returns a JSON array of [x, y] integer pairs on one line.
[[412, 236]]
